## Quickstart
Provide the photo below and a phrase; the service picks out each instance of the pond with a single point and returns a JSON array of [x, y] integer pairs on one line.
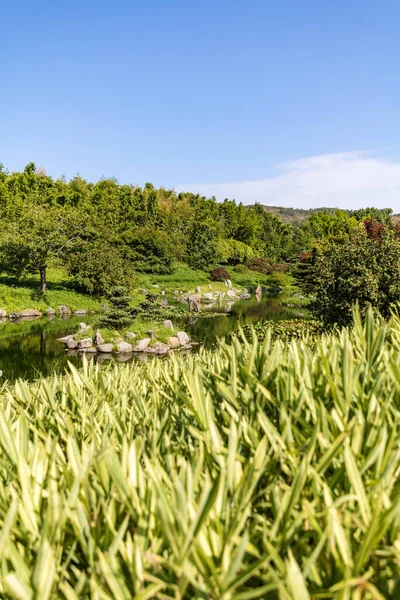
[[30, 349]]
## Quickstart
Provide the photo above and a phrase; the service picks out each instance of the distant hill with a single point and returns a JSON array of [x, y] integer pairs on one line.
[[295, 215], [298, 215]]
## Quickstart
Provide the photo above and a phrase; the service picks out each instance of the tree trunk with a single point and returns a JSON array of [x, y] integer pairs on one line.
[[43, 280]]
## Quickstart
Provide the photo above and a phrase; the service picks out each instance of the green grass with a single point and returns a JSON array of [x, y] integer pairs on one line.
[[259, 471], [17, 295]]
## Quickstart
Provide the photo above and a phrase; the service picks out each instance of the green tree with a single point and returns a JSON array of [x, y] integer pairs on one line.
[[356, 269], [38, 235]]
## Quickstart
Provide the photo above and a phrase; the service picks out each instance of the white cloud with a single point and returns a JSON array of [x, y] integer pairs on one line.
[[345, 180]]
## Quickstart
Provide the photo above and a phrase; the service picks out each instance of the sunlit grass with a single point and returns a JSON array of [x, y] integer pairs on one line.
[[259, 471]]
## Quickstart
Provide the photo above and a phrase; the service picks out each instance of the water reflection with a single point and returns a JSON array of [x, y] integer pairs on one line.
[[30, 349]]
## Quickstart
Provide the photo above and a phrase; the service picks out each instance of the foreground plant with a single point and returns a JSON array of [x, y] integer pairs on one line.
[[261, 471]]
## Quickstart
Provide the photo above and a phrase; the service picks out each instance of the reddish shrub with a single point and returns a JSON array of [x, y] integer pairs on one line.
[[280, 268], [374, 229], [304, 256], [261, 265], [219, 274]]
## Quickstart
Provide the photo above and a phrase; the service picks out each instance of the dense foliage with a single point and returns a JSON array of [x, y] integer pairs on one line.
[[260, 471], [363, 267]]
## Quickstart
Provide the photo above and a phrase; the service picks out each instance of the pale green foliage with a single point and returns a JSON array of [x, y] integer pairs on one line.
[[259, 471]]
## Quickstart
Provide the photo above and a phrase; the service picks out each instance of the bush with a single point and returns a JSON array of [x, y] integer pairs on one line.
[[97, 267], [261, 265], [120, 314], [356, 269], [279, 268], [219, 274], [240, 269]]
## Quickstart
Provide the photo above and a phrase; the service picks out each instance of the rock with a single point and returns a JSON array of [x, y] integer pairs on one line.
[[173, 343], [198, 289], [194, 303], [83, 327], [228, 282], [124, 347], [130, 335], [151, 333], [71, 344], [80, 312], [90, 350], [245, 296], [98, 338], [163, 293], [105, 307], [183, 338], [209, 296], [187, 347], [155, 285], [141, 345], [158, 348], [65, 339], [85, 343], [105, 348], [259, 290], [3, 313], [14, 316], [231, 294], [64, 310], [30, 312], [176, 293], [50, 311], [168, 324], [164, 303]]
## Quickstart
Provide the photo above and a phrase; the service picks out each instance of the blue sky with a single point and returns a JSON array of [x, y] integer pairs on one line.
[[293, 103]]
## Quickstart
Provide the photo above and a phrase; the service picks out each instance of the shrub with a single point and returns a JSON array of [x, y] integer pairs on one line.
[[279, 268], [120, 314], [219, 274], [261, 265], [240, 269]]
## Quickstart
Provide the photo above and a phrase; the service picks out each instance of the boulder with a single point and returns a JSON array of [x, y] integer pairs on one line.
[[85, 343], [65, 339], [105, 348], [124, 348], [64, 310], [194, 303], [98, 338], [198, 289], [228, 282], [158, 348], [208, 296], [183, 338], [141, 345], [151, 333], [168, 324], [71, 344], [81, 311], [50, 311], [30, 312], [130, 335], [231, 294], [83, 327], [173, 343]]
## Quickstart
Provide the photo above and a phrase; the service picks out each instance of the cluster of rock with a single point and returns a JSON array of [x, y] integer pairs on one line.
[[148, 345], [32, 313]]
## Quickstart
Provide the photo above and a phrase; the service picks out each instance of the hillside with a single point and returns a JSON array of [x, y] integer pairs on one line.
[[295, 215]]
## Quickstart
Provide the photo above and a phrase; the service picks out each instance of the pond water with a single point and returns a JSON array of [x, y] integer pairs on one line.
[[30, 349]]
